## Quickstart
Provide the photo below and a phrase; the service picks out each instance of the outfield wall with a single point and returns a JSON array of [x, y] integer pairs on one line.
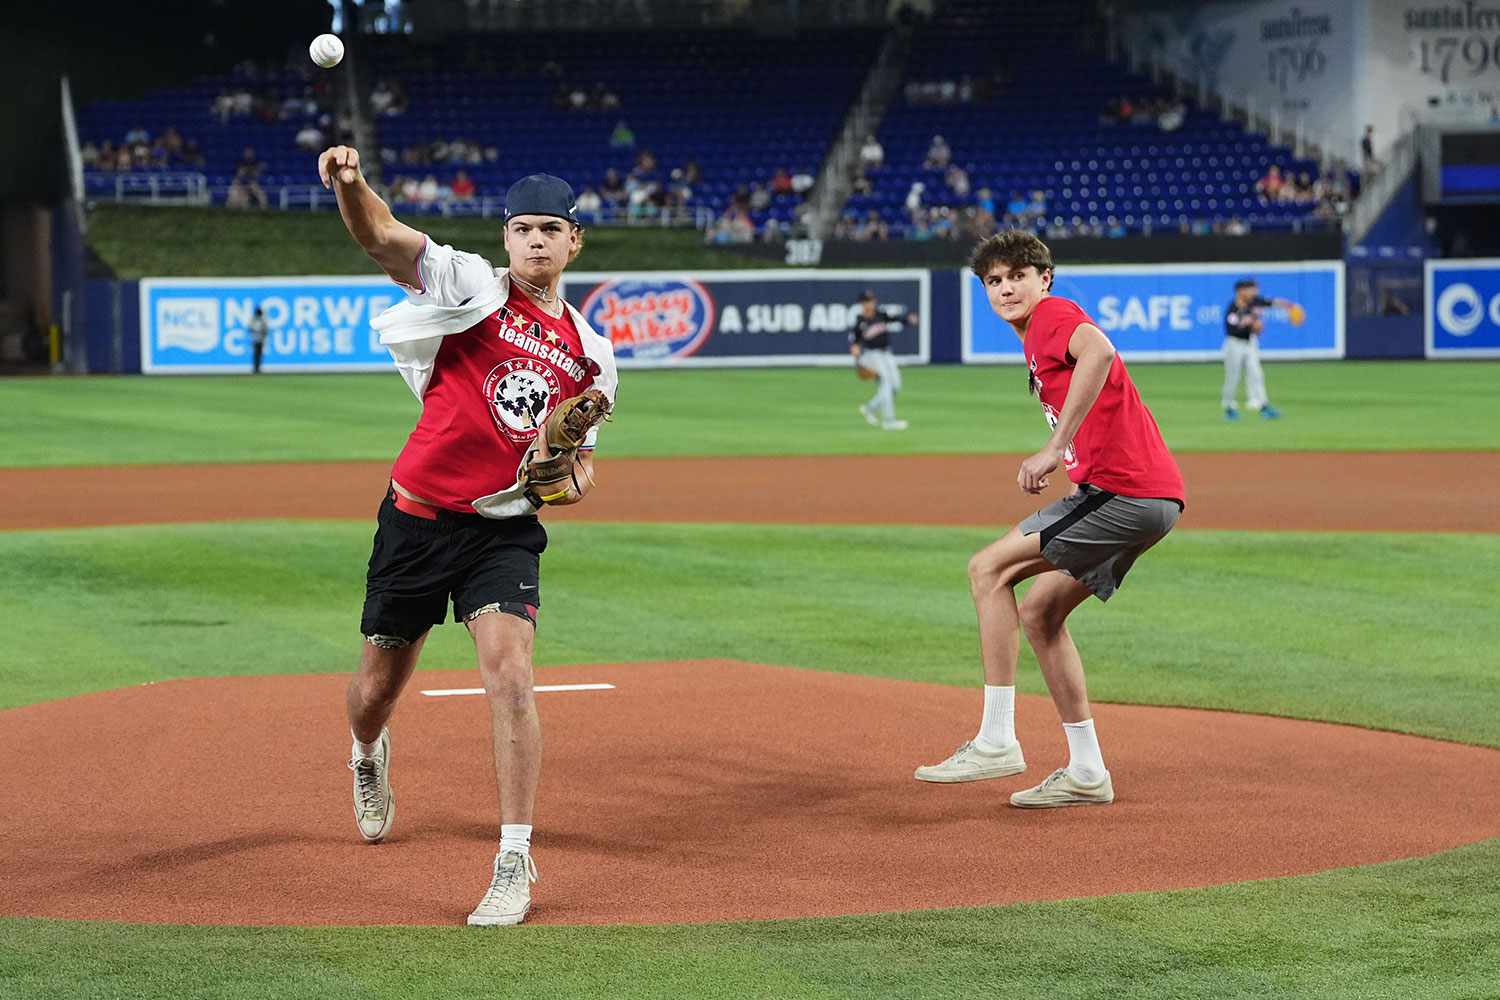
[[1165, 313]]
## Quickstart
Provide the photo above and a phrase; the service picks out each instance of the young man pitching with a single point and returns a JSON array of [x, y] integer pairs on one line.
[[1127, 495], [513, 383]]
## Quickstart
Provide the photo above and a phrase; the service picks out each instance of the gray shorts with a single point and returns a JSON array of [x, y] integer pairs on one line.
[[1095, 537]]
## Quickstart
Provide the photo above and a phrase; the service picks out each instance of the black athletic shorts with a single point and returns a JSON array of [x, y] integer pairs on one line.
[[418, 563]]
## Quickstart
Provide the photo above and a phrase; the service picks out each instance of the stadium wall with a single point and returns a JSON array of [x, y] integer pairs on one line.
[[1369, 309]]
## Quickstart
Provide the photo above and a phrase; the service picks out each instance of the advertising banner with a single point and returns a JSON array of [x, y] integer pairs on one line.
[[747, 318], [201, 325], [1463, 308], [1176, 313]]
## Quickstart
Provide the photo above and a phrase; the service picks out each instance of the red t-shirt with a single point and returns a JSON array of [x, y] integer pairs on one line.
[[1118, 447], [491, 386]]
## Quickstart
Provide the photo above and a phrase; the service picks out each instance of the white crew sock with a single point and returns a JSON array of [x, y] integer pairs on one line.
[[997, 730], [365, 749], [516, 837], [1085, 762]]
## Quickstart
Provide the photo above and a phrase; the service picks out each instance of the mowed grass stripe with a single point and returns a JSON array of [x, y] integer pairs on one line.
[[1387, 631], [1328, 405], [1421, 928]]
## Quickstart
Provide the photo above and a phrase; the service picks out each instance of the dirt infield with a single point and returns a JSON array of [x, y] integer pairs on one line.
[[694, 791], [1297, 491]]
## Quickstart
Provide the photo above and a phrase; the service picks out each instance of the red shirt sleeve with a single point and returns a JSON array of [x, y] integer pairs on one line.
[[1055, 320]]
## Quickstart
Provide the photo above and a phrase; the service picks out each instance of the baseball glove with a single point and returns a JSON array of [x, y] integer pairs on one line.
[[556, 479], [572, 419]]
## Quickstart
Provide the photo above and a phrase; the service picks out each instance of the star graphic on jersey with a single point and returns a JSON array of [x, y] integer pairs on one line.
[[553, 338]]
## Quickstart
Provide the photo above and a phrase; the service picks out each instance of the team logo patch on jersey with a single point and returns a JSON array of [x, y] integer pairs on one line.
[[521, 392], [651, 318]]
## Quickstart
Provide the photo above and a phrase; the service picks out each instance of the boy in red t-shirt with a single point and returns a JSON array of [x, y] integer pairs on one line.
[[1127, 495]]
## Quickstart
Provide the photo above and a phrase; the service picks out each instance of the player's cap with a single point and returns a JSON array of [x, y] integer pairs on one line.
[[541, 194], [868, 295], [1245, 283]]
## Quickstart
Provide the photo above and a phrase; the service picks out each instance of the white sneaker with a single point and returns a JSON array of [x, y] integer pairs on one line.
[[969, 763], [870, 417], [894, 425], [1062, 789], [374, 802], [508, 899]]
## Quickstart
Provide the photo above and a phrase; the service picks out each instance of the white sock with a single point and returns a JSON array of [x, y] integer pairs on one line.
[[516, 837], [365, 749], [1085, 762], [997, 730]]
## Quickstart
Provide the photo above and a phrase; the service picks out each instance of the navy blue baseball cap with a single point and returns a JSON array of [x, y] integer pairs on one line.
[[541, 194]]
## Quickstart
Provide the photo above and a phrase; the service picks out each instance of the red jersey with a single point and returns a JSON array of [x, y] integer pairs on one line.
[[1118, 447], [491, 387]]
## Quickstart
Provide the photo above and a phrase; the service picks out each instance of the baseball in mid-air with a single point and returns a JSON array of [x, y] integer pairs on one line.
[[326, 50]]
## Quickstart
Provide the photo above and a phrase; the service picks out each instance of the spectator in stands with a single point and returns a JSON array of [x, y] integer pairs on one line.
[[381, 98], [1235, 226], [136, 136], [463, 187], [1114, 228], [1172, 117], [1015, 209], [623, 137], [590, 205], [773, 231], [395, 103], [957, 180], [428, 191], [913, 201], [1036, 208], [873, 228], [984, 200], [872, 154], [245, 188], [944, 225], [760, 198], [89, 154], [603, 99], [781, 182], [613, 188], [938, 154], [1268, 188], [1368, 163], [191, 155], [692, 174], [802, 181], [310, 137]]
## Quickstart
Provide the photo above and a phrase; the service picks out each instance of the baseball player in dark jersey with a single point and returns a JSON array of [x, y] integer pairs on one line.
[[1242, 326], [870, 343]]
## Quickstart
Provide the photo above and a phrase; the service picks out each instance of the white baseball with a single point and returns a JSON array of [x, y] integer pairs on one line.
[[326, 50]]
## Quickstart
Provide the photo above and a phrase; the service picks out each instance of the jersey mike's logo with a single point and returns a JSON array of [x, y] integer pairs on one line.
[[651, 318]]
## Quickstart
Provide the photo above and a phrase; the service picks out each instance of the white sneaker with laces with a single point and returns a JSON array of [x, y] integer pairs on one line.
[[1062, 789], [508, 899], [869, 416], [969, 763], [374, 802]]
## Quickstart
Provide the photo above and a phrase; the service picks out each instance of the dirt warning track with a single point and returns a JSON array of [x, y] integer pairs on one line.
[[1297, 491]]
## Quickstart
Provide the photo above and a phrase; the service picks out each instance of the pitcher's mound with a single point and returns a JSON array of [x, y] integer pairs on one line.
[[691, 791]]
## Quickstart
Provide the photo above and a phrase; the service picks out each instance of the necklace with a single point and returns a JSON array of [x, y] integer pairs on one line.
[[547, 298]]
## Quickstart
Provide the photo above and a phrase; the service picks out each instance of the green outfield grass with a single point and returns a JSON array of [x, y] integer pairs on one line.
[[1329, 406], [1412, 929], [1387, 631], [1344, 627]]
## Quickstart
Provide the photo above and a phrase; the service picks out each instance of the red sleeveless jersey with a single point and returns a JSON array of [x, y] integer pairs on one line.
[[492, 386]]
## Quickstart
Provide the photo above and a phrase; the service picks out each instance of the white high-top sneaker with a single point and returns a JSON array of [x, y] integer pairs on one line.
[[374, 803], [508, 898]]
